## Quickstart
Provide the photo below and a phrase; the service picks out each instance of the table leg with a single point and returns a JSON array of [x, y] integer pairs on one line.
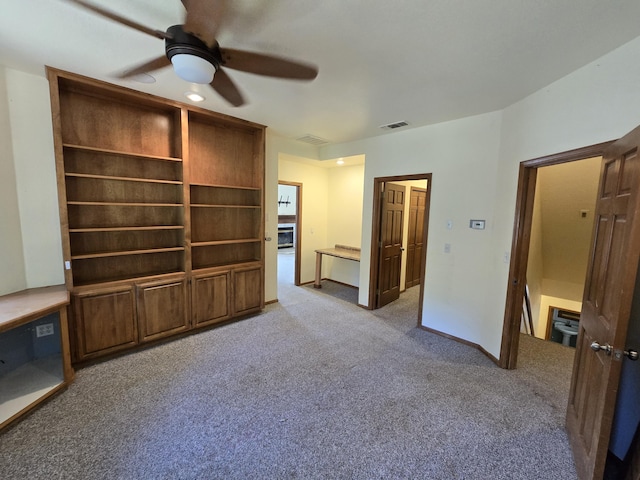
[[316, 283]]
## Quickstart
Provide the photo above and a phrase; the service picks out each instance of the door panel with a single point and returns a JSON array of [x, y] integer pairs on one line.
[[390, 244], [247, 290], [104, 321], [417, 206], [606, 307], [162, 308], [211, 298]]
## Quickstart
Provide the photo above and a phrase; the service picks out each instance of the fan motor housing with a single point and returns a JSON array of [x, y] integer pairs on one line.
[[181, 42]]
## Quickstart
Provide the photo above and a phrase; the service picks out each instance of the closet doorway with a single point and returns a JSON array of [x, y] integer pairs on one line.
[[378, 270]]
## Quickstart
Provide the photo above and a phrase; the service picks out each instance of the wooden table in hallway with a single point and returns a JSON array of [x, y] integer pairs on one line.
[[339, 251]]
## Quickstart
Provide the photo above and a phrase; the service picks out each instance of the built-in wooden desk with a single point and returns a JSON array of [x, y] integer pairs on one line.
[[339, 251], [35, 361]]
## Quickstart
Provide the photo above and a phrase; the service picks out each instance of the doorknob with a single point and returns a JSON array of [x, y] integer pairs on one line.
[[595, 346], [631, 354]]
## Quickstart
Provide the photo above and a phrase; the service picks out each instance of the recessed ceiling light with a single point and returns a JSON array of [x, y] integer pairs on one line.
[[193, 96], [340, 162]]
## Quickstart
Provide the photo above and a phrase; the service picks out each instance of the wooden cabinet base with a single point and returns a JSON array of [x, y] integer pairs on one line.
[[35, 361]]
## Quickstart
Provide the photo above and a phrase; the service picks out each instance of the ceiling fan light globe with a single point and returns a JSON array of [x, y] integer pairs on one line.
[[192, 68]]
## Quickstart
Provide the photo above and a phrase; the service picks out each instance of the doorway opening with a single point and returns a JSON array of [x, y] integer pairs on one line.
[[399, 240], [289, 232], [523, 225]]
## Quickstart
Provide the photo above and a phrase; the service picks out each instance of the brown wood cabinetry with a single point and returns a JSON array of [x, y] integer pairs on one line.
[[211, 297], [247, 288], [35, 360], [162, 308], [160, 203], [104, 321]]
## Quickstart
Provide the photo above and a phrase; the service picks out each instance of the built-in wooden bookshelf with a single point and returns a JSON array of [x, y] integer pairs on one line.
[[153, 192]]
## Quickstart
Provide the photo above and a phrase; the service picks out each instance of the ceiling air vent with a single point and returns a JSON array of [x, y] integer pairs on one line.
[[313, 140], [392, 126]]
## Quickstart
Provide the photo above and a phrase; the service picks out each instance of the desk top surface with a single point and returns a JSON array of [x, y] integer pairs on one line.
[[26, 305], [342, 251]]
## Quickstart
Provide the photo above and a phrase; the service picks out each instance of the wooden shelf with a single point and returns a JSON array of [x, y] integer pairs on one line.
[[108, 151], [137, 220], [126, 204], [144, 264], [124, 179], [225, 242], [229, 187], [218, 254], [225, 196], [118, 280], [126, 229], [204, 205], [126, 252]]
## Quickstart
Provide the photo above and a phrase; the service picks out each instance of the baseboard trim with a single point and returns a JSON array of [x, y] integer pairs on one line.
[[464, 342], [271, 302]]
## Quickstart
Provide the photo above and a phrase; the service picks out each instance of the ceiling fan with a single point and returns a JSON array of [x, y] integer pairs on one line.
[[197, 57]]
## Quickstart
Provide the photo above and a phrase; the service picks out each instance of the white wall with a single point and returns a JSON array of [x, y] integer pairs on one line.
[[313, 225], [274, 145], [13, 276], [462, 156], [475, 163], [287, 193], [597, 103], [344, 223], [34, 162]]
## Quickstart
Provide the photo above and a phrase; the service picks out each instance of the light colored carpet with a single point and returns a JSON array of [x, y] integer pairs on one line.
[[314, 387]]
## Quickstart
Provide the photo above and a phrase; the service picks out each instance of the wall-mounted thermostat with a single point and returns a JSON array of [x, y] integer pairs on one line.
[[476, 224]]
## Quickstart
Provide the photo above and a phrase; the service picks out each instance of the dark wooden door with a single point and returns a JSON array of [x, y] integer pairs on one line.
[[391, 223], [417, 204], [606, 306]]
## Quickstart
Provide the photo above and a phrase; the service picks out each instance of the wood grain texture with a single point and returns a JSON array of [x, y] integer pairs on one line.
[[212, 298], [105, 322], [162, 308], [150, 188]]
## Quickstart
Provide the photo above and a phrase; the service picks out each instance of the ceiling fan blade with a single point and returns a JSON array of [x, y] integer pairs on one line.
[[227, 89], [146, 67], [124, 21], [204, 18], [269, 65]]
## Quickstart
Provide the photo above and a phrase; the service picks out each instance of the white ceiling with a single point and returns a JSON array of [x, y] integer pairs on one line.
[[419, 61]]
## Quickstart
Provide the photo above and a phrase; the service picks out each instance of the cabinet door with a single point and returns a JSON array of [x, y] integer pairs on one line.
[[248, 294], [103, 322], [211, 298], [162, 308]]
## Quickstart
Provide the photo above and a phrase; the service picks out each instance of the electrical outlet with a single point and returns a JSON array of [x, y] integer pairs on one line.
[[44, 330]]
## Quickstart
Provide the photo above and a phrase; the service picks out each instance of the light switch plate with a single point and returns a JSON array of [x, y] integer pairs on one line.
[[476, 224]]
